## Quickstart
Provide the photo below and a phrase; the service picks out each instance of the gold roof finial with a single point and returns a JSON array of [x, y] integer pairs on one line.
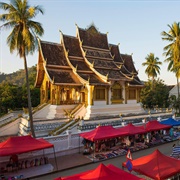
[[67, 52], [93, 63], [81, 42], [120, 66], [76, 66]]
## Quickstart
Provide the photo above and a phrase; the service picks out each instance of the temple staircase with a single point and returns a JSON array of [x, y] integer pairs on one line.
[[100, 111]]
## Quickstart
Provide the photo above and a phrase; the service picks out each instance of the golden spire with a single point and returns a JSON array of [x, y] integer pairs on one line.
[[76, 66], [93, 63], [81, 42], [67, 52]]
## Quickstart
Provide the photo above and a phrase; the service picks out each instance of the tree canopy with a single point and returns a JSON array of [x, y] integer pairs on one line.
[[19, 17], [156, 96]]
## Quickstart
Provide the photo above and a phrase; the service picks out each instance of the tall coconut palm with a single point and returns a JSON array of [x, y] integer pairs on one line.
[[152, 63], [174, 68], [19, 17], [172, 50]]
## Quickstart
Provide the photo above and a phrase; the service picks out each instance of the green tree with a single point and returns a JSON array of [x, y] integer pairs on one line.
[[157, 96], [152, 64], [23, 35], [10, 96], [172, 50]]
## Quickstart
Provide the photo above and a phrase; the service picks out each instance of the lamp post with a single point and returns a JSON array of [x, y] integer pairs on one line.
[[144, 122], [120, 115], [159, 119]]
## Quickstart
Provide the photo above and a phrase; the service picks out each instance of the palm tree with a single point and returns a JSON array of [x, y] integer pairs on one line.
[[23, 35], [172, 50], [173, 68], [152, 64]]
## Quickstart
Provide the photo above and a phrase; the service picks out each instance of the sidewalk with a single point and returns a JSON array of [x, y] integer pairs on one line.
[[69, 161]]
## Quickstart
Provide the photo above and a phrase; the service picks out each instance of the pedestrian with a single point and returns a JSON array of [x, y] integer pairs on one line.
[[14, 161]]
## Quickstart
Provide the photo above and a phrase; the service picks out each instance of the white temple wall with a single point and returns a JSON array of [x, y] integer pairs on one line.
[[100, 103], [10, 129], [133, 101]]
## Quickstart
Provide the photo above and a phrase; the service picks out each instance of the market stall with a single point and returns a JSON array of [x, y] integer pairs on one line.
[[23, 144], [156, 166], [170, 122], [102, 172], [99, 142]]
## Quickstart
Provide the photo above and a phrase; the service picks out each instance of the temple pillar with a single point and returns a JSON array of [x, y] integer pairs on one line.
[[137, 95], [57, 95], [90, 95], [124, 93], [109, 95], [46, 92]]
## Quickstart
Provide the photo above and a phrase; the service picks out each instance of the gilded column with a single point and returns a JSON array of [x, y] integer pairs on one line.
[[90, 95], [57, 97]]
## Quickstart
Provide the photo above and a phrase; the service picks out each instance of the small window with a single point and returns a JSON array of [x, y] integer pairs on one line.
[[132, 94], [100, 94]]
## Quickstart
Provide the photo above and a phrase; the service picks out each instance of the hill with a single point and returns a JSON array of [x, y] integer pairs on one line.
[[18, 77]]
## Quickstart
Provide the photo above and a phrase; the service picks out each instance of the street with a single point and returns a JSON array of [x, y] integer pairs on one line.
[[117, 161]]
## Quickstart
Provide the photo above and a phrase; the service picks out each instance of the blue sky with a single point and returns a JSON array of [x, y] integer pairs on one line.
[[136, 25]]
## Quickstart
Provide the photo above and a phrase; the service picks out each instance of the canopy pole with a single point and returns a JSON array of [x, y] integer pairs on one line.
[[94, 151], [79, 144], [55, 158]]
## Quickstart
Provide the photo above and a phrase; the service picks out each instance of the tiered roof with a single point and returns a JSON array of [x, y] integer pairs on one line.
[[85, 59]]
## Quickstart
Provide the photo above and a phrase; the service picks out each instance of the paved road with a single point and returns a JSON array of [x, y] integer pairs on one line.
[[165, 149]]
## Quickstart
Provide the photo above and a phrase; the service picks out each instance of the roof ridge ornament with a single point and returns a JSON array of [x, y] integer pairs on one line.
[[93, 64], [67, 52], [132, 75], [88, 79], [81, 42], [76, 67], [120, 66]]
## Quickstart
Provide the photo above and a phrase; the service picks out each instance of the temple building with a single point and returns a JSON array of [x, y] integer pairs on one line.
[[86, 69]]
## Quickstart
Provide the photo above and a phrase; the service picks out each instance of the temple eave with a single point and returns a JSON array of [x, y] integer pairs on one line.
[[68, 84]]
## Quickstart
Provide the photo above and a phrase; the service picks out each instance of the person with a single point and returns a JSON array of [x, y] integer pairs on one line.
[[14, 161]]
